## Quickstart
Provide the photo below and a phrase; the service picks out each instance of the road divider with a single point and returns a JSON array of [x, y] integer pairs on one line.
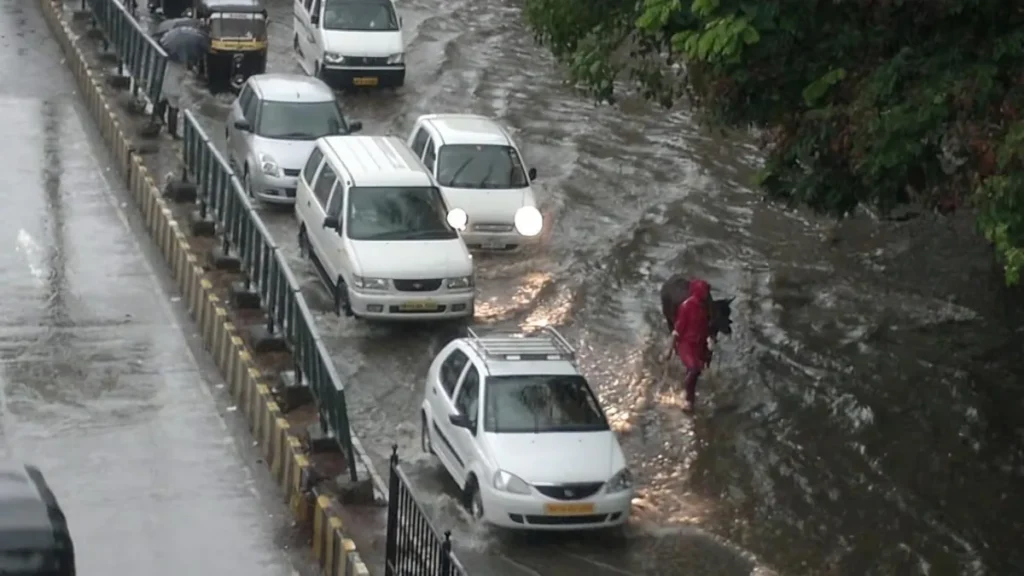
[[243, 233]]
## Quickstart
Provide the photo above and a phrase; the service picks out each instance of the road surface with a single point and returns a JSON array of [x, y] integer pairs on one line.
[[867, 415], [99, 385]]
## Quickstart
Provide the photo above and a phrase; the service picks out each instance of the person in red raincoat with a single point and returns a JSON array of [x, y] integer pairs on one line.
[[690, 335]]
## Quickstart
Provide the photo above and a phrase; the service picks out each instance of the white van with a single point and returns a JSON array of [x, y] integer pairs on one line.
[[350, 42], [377, 228]]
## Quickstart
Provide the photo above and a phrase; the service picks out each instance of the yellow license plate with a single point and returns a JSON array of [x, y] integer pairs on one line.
[[568, 509], [365, 81], [417, 306]]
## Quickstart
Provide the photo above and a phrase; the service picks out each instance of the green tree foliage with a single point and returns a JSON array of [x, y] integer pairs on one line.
[[864, 102]]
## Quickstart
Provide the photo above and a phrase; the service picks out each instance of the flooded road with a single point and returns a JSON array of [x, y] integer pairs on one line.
[[98, 384], [865, 418]]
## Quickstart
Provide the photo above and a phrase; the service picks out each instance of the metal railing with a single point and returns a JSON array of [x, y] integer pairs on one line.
[[222, 198], [137, 53], [414, 546]]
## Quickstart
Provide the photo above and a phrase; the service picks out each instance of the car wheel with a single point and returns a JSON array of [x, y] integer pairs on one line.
[[425, 441], [342, 305], [247, 182], [303, 243], [476, 503]]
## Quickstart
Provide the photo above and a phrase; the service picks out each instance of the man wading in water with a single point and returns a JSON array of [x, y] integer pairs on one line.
[[690, 333]]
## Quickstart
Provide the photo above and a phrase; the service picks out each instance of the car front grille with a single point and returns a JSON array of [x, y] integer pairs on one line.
[[366, 60], [492, 227], [426, 285], [570, 491], [290, 172]]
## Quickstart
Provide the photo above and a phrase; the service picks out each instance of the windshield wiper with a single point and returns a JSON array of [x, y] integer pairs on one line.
[[486, 177], [426, 234], [294, 136], [463, 166]]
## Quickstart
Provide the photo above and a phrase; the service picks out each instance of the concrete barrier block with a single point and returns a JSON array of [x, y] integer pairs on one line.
[[201, 225], [180, 192], [244, 297], [291, 391], [222, 260], [264, 341]]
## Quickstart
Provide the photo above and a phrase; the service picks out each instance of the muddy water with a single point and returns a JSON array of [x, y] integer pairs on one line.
[[864, 419]]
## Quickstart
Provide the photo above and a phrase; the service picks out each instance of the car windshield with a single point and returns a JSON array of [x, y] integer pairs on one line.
[[299, 120], [238, 26], [361, 15], [407, 213], [475, 166], [537, 404]]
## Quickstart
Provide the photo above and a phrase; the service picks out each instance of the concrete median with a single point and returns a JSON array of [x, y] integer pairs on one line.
[[283, 450]]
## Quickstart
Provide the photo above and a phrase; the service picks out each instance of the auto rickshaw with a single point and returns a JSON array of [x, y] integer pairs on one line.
[[238, 41]]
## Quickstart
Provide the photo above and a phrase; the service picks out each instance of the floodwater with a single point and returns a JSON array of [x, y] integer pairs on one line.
[[866, 416], [98, 383]]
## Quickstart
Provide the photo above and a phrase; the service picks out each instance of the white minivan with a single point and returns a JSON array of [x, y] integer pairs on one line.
[[350, 42], [380, 234]]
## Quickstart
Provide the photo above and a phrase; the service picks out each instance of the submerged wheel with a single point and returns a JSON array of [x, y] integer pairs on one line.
[[476, 503], [303, 242], [425, 442], [342, 305]]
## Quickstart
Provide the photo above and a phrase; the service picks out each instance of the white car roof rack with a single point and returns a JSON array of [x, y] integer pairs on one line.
[[548, 344]]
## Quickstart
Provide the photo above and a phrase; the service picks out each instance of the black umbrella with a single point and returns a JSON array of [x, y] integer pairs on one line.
[[185, 44], [168, 25]]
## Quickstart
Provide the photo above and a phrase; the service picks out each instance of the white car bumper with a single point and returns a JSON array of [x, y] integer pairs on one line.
[[512, 240], [538, 512], [274, 189], [412, 305]]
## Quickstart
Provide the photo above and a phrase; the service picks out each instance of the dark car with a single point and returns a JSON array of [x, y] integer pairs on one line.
[[34, 537]]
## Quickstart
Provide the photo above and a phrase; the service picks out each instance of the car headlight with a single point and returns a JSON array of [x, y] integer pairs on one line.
[[369, 283], [396, 58], [458, 219], [460, 283], [333, 58], [528, 221], [508, 482], [269, 166], [622, 480]]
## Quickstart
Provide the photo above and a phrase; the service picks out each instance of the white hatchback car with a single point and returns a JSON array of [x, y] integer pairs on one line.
[[522, 434], [480, 170], [378, 232]]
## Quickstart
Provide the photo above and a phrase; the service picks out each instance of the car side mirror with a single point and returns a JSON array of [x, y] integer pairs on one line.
[[532, 174], [354, 127], [460, 420], [242, 125], [332, 222]]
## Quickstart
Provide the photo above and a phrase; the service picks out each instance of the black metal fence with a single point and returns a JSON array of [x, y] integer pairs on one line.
[[414, 546], [220, 197]]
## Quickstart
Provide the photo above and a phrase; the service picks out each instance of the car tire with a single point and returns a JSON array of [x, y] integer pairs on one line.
[[247, 183], [342, 305], [476, 502], [425, 442], [303, 242]]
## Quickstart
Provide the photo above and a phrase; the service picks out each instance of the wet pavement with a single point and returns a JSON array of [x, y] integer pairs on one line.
[[99, 386], [866, 417]]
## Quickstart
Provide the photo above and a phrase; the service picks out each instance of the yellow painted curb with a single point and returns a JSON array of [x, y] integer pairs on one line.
[[335, 552]]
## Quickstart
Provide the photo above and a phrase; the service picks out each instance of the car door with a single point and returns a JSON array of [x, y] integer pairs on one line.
[[244, 138], [319, 235], [441, 397], [316, 37], [337, 251], [300, 25], [467, 403], [230, 132], [304, 194]]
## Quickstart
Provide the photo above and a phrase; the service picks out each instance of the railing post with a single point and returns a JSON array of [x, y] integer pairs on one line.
[[391, 545], [446, 554]]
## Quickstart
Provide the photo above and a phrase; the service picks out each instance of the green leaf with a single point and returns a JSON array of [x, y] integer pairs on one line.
[[817, 89]]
